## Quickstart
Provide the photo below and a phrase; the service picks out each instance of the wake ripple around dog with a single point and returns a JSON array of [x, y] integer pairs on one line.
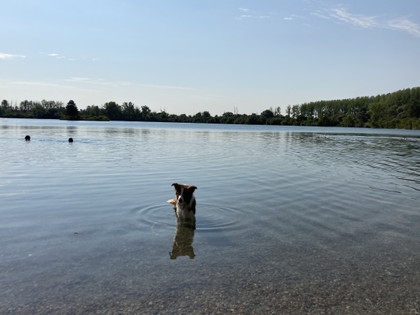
[[212, 218], [155, 217]]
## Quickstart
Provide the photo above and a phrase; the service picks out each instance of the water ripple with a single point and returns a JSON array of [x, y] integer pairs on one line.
[[210, 218], [154, 217], [214, 218]]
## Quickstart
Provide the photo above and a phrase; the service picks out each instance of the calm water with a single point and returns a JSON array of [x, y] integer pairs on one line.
[[289, 219]]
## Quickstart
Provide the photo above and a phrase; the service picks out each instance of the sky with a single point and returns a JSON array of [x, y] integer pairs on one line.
[[190, 56]]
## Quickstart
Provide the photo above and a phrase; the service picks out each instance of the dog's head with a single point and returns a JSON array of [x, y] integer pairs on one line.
[[184, 193]]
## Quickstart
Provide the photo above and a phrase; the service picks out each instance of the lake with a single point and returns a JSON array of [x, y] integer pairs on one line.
[[290, 219]]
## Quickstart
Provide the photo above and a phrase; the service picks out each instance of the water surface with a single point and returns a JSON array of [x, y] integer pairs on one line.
[[289, 219]]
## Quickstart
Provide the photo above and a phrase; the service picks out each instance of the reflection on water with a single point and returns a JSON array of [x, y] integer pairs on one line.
[[184, 237], [291, 219]]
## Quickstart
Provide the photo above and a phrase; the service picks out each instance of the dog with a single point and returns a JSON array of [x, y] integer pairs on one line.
[[184, 203]]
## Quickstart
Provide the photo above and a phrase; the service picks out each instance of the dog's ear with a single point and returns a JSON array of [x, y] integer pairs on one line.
[[192, 188], [175, 184]]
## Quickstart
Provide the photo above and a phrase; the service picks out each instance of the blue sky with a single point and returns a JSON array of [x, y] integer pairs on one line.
[[189, 56]]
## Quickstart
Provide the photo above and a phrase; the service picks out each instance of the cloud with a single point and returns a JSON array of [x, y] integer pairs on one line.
[[405, 25], [78, 79], [116, 84], [9, 56], [58, 56], [245, 16], [248, 14], [166, 87], [292, 17], [368, 22], [97, 82], [356, 20], [321, 15], [50, 85]]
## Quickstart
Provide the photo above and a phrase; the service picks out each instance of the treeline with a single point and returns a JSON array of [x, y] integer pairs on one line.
[[400, 109]]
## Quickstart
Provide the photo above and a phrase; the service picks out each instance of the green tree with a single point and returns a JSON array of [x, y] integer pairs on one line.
[[113, 111], [348, 121], [266, 116], [288, 110], [71, 110], [5, 104], [145, 112], [129, 111]]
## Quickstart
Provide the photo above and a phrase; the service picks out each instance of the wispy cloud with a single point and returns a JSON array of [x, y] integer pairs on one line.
[[405, 25], [85, 80], [249, 14], [166, 87], [363, 21], [49, 85], [321, 14], [10, 56], [292, 17], [97, 82], [115, 84], [368, 21], [59, 56]]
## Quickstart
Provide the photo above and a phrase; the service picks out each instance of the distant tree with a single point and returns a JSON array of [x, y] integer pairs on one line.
[[71, 110], [92, 110], [38, 111], [295, 111], [227, 118], [268, 113], [145, 112], [266, 116], [128, 111], [113, 111], [26, 106], [348, 121], [400, 109], [254, 119], [206, 115], [162, 116], [288, 110], [202, 117], [5, 104]]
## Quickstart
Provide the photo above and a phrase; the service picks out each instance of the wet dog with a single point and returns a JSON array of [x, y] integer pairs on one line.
[[184, 205], [184, 202]]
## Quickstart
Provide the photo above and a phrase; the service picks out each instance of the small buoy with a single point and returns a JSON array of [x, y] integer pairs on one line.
[[28, 138], [70, 139]]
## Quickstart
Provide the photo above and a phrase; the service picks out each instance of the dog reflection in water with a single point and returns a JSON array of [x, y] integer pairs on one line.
[[184, 206], [183, 240]]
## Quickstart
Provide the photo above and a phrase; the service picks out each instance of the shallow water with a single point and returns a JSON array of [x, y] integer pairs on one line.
[[289, 219]]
